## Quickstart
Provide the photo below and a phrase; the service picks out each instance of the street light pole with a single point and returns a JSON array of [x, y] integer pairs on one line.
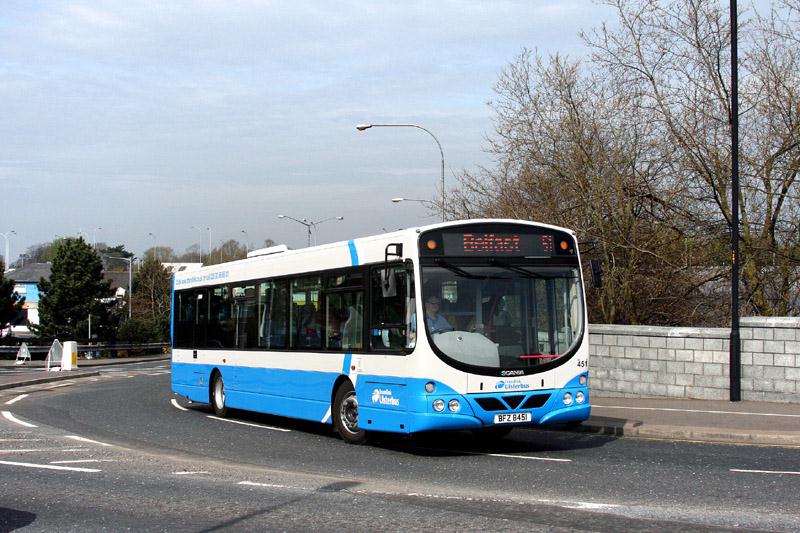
[[246, 244], [94, 237], [735, 342], [364, 127], [7, 237], [155, 246], [309, 224]]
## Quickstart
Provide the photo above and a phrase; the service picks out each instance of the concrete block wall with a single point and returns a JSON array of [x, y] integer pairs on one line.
[[646, 361]]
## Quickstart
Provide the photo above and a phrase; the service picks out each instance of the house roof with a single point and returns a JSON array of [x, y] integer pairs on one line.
[[30, 273], [33, 272]]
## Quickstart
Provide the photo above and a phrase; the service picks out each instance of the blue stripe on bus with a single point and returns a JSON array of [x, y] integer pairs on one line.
[[386, 403], [348, 357], [353, 252]]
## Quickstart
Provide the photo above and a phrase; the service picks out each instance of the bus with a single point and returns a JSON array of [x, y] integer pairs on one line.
[[466, 325]]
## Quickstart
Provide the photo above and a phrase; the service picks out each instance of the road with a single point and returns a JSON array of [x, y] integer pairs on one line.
[[120, 451]]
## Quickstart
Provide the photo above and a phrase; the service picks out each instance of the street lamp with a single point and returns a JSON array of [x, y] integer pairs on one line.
[[363, 127], [130, 278], [246, 245], [155, 246], [310, 225], [398, 200], [7, 237], [94, 237], [200, 229]]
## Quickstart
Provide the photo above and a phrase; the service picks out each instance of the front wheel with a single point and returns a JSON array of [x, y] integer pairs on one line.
[[218, 397], [345, 415]]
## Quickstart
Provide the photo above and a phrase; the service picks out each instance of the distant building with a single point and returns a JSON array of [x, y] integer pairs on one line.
[[26, 283]]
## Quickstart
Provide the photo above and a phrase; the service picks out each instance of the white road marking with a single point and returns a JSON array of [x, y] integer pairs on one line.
[[15, 400], [50, 467], [8, 416], [248, 424], [177, 405], [527, 457], [268, 485], [188, 473], [692, 411], [27, 450], [82, 461], [84, 439], [61, 385], [766, 472]]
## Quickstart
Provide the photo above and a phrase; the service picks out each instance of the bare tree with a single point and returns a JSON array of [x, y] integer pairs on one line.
[[631, 148]]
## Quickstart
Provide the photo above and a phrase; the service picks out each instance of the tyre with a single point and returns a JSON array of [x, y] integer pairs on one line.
[[218, 396], [345, 414]]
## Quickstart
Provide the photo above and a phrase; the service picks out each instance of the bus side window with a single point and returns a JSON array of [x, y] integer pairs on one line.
[[389, 321], [273, 311], [306, 315]]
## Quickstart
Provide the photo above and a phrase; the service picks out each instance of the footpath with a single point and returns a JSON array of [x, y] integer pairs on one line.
[[746, 422]]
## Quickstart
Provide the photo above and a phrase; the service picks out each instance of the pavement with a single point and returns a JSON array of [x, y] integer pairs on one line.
[[745, 422]]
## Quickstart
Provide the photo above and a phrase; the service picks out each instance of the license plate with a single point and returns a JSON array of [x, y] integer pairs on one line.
[[512, 418]]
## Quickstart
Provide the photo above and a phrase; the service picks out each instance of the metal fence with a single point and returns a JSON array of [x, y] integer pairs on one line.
[[96, 351]]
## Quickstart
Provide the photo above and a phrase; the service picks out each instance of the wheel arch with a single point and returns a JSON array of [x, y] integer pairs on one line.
[[214, 373]]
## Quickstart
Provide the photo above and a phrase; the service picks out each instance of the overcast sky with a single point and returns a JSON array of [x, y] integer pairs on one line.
[[157, 117]]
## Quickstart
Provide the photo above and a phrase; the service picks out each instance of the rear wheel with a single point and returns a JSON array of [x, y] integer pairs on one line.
[[345, 414], [218, 396]]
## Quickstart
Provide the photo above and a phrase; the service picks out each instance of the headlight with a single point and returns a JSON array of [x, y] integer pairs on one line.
[[438, 405], [567, 398], [454, 406], [430, 387], [580, 397], [582, 380]]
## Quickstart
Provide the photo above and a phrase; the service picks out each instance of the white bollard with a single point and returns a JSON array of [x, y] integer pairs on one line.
[[69, 358]]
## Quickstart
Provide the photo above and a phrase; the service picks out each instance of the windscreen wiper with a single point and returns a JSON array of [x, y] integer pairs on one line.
[[524, 271], [457, 270]]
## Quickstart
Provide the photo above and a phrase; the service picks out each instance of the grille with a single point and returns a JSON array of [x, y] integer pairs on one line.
[[537, 400]]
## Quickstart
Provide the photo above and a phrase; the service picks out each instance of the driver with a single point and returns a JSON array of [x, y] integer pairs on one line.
[[436, 322]]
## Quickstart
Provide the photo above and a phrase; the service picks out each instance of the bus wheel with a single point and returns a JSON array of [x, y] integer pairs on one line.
[[218, 396], [345, 415]]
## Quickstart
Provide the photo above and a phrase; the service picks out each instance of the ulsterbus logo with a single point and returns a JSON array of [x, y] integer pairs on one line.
[[384, 397], [511, 384]]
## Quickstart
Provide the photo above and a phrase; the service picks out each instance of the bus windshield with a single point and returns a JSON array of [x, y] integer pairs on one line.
[[502, 314]]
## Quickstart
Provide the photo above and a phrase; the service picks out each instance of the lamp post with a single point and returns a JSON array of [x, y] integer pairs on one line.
[[735, 342], [155, 246], [7, 237], [130, 279], [94, 237], [309, 225], [364, 127], [246, 244]]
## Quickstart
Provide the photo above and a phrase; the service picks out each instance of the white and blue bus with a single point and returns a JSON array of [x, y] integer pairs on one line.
[[476, 324]]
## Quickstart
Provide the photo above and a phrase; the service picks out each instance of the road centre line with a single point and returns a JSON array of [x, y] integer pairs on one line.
[[527, 457], [691, 411], [84, 439], [8, 416], [61, 385], [766, 472], [15, 400], [248, 424], [50, 467], [174, 402], [269, 485], [81, 461]]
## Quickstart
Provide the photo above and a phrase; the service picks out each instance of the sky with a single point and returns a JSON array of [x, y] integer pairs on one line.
[[144, 123]]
